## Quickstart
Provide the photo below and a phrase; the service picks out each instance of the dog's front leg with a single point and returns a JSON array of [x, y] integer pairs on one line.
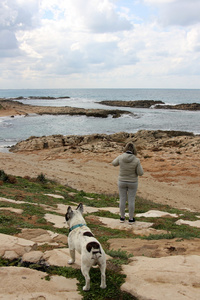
[[85, 271], [72, 254]]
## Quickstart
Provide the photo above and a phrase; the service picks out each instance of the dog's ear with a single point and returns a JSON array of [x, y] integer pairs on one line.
[[80, 207], [69, 213]]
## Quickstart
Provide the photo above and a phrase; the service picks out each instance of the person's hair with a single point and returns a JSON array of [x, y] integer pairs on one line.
[[131, 147]]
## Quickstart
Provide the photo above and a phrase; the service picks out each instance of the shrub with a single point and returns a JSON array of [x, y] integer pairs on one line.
[[11, 179], [6, 178], [3, 176], [41, 178]]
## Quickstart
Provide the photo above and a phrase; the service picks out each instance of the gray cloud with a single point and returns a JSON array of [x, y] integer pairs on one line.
[[94, 57], [8, 40], [19, 15], [101, 23], [101, 17], [180, 12], [15, 16]]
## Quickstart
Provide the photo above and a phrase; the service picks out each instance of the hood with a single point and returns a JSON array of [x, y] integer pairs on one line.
[[126, 157]]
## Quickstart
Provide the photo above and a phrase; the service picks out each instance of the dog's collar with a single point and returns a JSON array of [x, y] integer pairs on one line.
[[76, 226]]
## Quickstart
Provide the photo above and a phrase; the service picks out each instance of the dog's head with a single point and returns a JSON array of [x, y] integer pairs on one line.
[[74, 216]]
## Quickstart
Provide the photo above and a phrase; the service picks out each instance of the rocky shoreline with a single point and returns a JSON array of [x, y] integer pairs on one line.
[[100, 143], [152, 104], [19, 108]]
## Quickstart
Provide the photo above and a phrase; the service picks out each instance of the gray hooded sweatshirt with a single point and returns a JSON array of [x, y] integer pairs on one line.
[[130, 167]]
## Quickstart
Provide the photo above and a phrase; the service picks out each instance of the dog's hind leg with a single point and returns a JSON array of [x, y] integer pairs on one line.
[[72, 254], [103, 275], [85, 271]]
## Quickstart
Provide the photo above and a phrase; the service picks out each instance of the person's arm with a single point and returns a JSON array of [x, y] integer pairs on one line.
[[115, 162], [139, 169]]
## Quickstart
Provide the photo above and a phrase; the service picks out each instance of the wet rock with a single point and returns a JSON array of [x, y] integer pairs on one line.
[[183, 106], [152, 103], [137, 103]]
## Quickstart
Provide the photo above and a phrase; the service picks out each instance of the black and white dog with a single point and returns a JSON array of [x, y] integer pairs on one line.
[[82, 240]]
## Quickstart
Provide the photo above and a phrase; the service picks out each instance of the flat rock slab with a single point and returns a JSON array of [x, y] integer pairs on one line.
[[137, 228], [15, 210], [115, 224], [23, 283], [12, 247], [156, 214], [190, 223], [60, 257], [12, 201], [57, 221], [156, 248], [55, 196], [41, 236], [167, 278]]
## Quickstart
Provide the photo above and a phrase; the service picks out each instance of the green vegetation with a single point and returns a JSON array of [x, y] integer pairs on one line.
[[31, 195]]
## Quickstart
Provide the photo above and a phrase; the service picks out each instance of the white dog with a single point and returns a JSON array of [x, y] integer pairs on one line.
[[82, 240]]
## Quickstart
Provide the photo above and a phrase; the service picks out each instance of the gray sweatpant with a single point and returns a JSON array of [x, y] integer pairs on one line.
[[127, 190]]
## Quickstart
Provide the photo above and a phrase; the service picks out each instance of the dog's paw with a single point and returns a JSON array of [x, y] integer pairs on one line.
[[103, 286], [70, 262], [86, 288]]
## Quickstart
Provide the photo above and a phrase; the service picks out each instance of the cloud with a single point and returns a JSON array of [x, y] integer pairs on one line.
[[8, 40], [16, 16], [102, 17], [177, 12], [77, 37], [93, 15], [50, 42]]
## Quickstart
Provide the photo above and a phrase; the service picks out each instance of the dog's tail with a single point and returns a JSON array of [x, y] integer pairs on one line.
[[95, 248]]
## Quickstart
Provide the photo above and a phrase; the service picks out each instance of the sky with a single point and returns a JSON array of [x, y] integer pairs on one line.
[[99, 44]]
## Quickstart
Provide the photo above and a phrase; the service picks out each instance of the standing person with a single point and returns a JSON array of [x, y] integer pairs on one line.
[[130, 169]]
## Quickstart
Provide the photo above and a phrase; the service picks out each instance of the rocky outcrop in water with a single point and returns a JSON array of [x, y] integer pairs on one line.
[[136, 104], [152, 103], [25, 109], [183, 106]]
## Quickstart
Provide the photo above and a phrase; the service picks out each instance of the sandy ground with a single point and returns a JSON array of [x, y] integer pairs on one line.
[[96, 174]]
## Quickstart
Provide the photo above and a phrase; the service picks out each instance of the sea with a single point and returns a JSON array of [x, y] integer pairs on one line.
[[15, 129]]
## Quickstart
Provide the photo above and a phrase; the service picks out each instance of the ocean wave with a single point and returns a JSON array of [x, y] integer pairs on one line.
[[5, 144]]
